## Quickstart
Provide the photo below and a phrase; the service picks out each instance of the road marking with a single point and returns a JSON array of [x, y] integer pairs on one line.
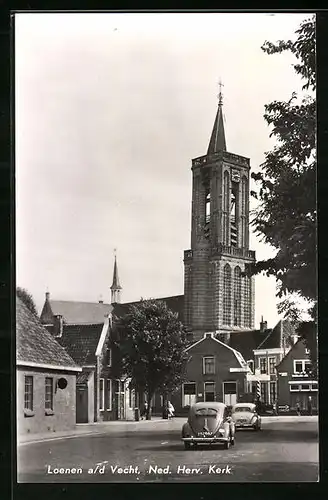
[[165, 442]]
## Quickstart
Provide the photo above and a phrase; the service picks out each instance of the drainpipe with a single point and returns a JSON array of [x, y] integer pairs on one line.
[[97, 389]]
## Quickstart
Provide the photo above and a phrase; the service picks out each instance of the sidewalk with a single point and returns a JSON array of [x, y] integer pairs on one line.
[[91, 429], [289, 418]]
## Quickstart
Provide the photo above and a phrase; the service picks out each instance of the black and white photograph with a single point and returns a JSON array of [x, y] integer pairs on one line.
[[166, 256]]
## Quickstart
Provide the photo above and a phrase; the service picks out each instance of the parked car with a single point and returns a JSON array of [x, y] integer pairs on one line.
[[245, 415], [208, 423]]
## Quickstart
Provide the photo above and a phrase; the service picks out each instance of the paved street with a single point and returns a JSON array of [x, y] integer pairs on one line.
[[281, 451]]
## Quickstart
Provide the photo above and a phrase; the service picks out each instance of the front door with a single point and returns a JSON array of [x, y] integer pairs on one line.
[[120, 399], [230, 393]]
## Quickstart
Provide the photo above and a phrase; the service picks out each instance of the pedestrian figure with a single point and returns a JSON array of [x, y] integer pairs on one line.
[[170, 409], [275, 408], [298, 409], [144, 411], [309, 405]]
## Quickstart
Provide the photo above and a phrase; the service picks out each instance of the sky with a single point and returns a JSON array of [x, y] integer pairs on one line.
[[110, 109]]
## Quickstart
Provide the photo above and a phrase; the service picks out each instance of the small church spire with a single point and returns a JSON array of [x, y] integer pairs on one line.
[[217, 141], [116, 287]]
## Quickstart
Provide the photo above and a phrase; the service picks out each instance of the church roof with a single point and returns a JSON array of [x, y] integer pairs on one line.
[[75, 312], [35, 345], [175, 303], [217, 141], [116, 282]]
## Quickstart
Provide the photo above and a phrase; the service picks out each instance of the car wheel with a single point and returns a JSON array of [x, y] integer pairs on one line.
[[187, 446], [227, 445]]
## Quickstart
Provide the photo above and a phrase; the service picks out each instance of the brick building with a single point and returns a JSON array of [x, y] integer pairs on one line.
[[45, 376], [84, 329], [217, 296], [296, 384]]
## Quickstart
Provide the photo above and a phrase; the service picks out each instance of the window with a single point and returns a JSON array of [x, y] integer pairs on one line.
[[208, 365], [226, 201], [131, 397], [263, 365], [272, 364], [237, 296], [49, 394], [208, 207], [307, 351], [209, 391], [302, 366], [109, 394], [28, 394], [247, 302], [233, 214], [305, 387], [273, 392], [188, 393], [109, 357], [227, 295], [294, 388], [101, 394]]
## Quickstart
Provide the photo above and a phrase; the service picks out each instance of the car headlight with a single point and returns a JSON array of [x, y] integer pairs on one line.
[[222, 431]]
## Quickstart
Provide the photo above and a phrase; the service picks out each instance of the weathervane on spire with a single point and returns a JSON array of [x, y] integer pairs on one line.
[[220, 96], [115, 252]]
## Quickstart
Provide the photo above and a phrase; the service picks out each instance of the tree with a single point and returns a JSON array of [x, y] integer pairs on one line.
[[286, 215], [27, 299], [152, 342]]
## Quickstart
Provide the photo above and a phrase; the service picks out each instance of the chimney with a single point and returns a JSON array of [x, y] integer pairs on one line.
[[58, 326], [101, 300], [263, 325]]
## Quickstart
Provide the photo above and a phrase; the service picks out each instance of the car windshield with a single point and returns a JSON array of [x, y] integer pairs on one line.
[[206, 412], [242, 409]]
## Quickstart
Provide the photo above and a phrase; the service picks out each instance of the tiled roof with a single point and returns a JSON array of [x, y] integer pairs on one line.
[[245, 342], [272, 340], [175, 303], [80, 313], [81, 341], [35, 344]]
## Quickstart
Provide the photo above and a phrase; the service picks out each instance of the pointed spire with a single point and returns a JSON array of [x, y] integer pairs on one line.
[[116, 287], [217, 141]]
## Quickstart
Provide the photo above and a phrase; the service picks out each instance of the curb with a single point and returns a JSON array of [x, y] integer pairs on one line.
[[80, 432]]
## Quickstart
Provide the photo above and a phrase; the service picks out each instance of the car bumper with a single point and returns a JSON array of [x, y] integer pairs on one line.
[[214, 439], [244, 425]]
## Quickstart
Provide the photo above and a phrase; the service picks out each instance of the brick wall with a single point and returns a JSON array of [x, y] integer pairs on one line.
[[64, 401], [224, 360]]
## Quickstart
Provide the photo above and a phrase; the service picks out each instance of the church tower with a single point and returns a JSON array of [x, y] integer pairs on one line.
[[218, 297], [116, 287]]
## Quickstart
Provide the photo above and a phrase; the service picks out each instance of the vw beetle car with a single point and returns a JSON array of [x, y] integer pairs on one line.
[[245, 415], [210, 423]]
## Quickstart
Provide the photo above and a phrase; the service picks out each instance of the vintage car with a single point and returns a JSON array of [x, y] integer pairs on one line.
[[245, 415], [208, 423]]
